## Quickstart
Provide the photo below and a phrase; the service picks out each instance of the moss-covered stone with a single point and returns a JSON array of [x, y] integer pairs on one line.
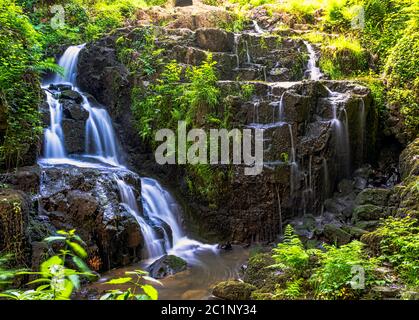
[[368, 212], [166, 266], [336, 235], [375, 196], [233, 290], [258, 272], [14, 212]]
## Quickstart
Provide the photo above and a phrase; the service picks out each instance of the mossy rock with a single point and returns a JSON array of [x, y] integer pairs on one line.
[[257, 295], [354, 231], [369, 212], [233, 290], [375, 196], [166, 266], [258, 272], [336, 235]]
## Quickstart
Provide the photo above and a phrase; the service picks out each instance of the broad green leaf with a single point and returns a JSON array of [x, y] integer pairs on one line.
[[75, 280], [78, 249], [150, 291], [46, 266], [81, 264], [119, 280]]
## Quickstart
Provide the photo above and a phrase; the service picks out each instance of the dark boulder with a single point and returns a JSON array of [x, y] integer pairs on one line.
[[215, 40], [71, 95], [166, 266]]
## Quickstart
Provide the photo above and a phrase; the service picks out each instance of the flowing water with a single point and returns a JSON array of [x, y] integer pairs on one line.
[[257, 28], [314, 71], [160, 223], [53, 136]]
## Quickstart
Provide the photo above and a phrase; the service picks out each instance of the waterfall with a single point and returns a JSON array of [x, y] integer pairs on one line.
[[362, 122], [159, 206], [68, 62], [341, 131], [249, 60], [236, 48], [281, 108], [53, 137], [100, 135], [258, 29], [101, 140], [314, 71], [153, 244], [159, 224]]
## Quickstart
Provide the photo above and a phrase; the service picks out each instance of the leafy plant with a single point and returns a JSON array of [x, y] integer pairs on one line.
[[60, 275], [136, 279]]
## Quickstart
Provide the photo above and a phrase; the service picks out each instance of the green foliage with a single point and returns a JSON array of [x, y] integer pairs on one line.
[[320, 274], [290, 254], [20, 66], [58, 276], [136, 280], [333, 279], [139, 52], [247, 91], [399, 244]]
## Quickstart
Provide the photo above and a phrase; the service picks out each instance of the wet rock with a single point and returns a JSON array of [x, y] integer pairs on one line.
[[25, 179], [60, 87], [386, 292], [215, 40], [74, 135], [233, 290], [375, 196], [71, 95], [368, 212], [336, 235], [225, 246], [166, 266], [183, 3], [81, 204], [74, 111], [14, 213]]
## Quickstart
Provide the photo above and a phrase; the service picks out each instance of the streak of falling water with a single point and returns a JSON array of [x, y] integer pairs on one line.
[[236, 48], [258, 29], [153, 244], [314, 71], [249, 60], [362, 123], [54, 138]]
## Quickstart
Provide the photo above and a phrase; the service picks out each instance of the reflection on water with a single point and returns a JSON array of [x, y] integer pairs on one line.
[[196, 282]]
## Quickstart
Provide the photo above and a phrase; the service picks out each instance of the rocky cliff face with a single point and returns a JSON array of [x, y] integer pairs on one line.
[[303, 153]]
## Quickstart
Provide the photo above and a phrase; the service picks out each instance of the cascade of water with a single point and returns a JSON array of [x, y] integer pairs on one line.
[[154, 245], [256, 105], [341, 136], [249, 60], [68, 62], [159, 206], [258, 29], [236, 48], [54, 139], [326, 182], [362, 122], [294, 165], [281, 108], [314, 71], [100, 135], [101, 140]]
